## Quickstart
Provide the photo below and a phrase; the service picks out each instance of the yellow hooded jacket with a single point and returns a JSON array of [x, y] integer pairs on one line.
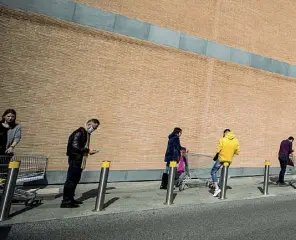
[[228, 146]]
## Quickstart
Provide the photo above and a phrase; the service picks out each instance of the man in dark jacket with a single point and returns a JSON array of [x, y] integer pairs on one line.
[[172, 154], [77, 152], [284, 152]]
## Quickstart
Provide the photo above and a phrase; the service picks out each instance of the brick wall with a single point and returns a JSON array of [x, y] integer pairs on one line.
[[265, 27], [57, 75]]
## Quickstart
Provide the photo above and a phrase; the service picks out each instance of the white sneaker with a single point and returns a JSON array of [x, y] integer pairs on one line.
[[217, 191]]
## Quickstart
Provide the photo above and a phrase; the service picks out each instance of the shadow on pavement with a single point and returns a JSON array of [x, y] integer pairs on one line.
[[174, 196], [261, 190], [112, 200], [4, 231], [27, 208], [92, 194], [274, 179], [201, 185]]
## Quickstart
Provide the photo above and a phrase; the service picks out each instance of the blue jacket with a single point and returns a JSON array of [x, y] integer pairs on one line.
[[173, 148]]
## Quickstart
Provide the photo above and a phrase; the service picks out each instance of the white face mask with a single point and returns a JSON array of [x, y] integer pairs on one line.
[[90, 130]]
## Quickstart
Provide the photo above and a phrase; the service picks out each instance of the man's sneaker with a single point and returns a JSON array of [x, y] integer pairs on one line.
[[76, 202], [282, 184], [69, 205], [217, 191]]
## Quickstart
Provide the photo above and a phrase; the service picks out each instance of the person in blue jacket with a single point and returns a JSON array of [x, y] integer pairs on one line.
[[172, 154]]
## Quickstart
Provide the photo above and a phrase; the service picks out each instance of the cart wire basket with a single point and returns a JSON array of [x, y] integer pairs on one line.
[[187, 180], [32, 168]]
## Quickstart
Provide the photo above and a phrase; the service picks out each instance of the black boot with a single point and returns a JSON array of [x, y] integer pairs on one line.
[[164, 181]]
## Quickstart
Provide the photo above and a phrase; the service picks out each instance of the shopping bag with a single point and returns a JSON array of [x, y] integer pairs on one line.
[[181, 165], [291, 161]]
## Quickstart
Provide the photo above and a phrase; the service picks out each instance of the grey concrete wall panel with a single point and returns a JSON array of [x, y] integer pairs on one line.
[[93, 17], [117, 176], [234, 172], [90, 176], [260, 62], [19, 4], [61, 9], [292, 71], [240, 57], [219, 51], [273, 171], [131, 27], [193, 44], [203, 173], [56, 177], [279, 67], [59, 177], [146, 175], [164, 36]]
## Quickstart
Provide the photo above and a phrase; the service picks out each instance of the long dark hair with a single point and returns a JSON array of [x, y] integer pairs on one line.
[[177, 130], [12, 111]]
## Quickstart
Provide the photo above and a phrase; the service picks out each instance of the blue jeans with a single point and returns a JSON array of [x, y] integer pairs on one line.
[[167, 167], [215, 169]]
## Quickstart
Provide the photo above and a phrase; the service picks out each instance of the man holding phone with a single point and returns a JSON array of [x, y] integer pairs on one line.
[[77, 152]]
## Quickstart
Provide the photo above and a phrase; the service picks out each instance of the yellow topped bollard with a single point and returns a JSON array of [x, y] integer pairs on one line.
[[13, 169], [267, 163], [173, 164], [266, 177], [14, 164], [171, 183], [226, 164], [224, 176], [105, 166]]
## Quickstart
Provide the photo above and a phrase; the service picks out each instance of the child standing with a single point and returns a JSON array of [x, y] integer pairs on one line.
[[182, 170]]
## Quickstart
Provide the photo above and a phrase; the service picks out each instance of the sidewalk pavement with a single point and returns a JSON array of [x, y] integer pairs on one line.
[[139, 196]]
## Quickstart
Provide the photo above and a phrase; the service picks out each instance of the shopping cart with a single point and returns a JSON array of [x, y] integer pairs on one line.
[[32, 168], [291, 168], [205, 178], [186, 180]]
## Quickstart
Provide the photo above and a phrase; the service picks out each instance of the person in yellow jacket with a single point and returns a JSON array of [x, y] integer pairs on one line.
[[227, 147]]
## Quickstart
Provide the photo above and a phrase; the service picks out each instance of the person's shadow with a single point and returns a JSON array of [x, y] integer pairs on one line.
[[4, 232], [92, 194]]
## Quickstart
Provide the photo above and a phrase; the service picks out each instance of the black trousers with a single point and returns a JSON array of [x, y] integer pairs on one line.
[[4, 162], [283, 158], [73, 178]]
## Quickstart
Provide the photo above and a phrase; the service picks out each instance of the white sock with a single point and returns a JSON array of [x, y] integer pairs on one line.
[[216, 185]]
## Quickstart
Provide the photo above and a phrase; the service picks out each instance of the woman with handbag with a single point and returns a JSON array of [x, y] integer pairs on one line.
[[10, 136]]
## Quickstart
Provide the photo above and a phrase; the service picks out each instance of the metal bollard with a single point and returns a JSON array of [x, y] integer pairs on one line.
[[266, 177], [224, 180], [13, 169], [171, 183], [102, 186]]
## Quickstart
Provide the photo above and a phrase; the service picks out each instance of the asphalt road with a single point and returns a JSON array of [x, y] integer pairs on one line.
[[267, 218]]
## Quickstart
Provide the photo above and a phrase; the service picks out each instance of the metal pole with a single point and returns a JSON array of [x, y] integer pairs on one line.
[[170, 188], [13, 169], [224, 180], [266, 177], [102, 186]]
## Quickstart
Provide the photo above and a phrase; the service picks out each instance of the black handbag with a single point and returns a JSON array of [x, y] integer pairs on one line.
[[216, 157]]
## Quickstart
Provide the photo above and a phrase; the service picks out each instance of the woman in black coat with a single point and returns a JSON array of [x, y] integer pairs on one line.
[[172, 154]]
